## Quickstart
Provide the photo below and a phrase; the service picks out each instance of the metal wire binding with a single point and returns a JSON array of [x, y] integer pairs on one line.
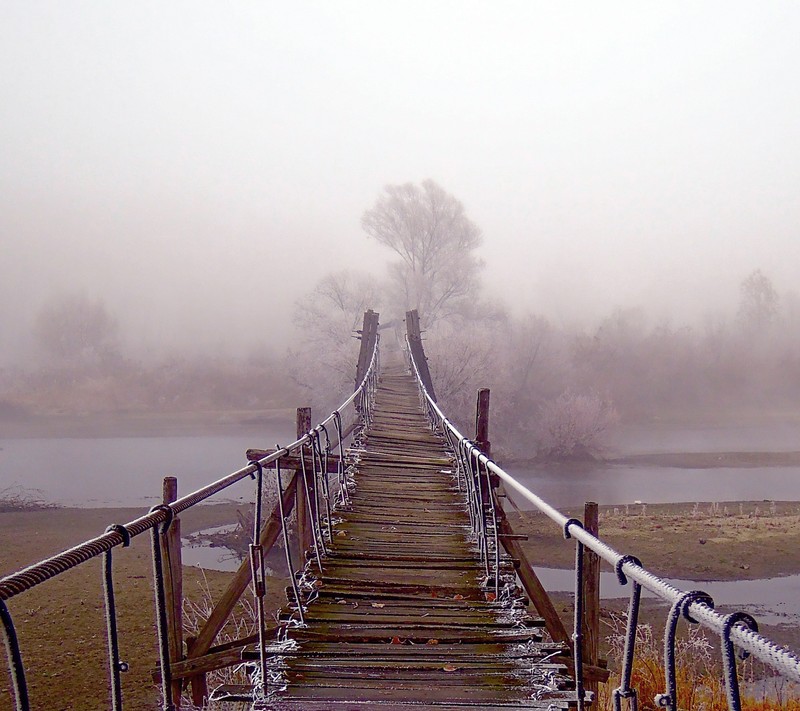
[[729, 657], [115, 665], [318, 542], [669, 699], [289, 564], [624, 690]]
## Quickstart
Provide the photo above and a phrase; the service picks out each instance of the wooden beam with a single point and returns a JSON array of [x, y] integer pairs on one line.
[[241, 579], [532, 585], [292, 461]]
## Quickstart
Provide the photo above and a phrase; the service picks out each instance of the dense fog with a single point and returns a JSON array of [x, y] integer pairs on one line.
[[183, 192]]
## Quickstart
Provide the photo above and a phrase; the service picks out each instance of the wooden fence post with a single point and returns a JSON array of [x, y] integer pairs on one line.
[[591, 596], [305, 526], [173, 584]]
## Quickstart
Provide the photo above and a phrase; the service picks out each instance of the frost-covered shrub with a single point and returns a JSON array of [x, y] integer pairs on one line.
[[572, 425]]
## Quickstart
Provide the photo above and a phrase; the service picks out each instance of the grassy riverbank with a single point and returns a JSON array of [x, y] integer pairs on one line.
[[696, 541]]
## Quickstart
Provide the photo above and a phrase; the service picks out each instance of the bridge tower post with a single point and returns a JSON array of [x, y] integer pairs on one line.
[[305, 531], [369, 333], [415, 343]]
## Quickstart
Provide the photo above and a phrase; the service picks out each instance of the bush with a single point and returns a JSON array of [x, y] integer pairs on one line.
[[572, 426]]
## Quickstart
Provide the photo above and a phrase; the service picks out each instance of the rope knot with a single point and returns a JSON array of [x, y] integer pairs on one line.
[[167, 509], [122, 531]]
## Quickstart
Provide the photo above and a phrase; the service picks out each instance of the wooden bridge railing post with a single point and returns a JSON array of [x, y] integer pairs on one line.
[[173, 583], [305, 526], [415, 343], [482, 422], [591, 596], [369, 333]]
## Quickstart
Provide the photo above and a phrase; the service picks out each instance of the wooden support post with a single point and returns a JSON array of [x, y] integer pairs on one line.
[[173, 584], [591, 596], [305, 525], [369, 333], [482, 422], [415, 343]]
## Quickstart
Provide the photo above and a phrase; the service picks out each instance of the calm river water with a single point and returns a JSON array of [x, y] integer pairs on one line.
[[127, 471]]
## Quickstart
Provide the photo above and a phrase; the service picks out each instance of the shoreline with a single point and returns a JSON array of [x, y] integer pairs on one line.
[[674, 460], [214, 423]]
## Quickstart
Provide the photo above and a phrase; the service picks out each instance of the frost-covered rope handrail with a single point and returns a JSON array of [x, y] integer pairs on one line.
[[22, 580], [158, 521], [780, 659]]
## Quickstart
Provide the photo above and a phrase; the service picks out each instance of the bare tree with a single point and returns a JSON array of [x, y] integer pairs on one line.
[[572, 426], [76, 329], [758, 306], [429, 230], [328, 318]]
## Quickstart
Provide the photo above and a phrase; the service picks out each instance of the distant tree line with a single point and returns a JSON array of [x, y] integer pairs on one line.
[[562, 389]]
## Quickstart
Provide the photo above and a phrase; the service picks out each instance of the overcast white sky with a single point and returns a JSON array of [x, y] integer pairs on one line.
[[201, 164]]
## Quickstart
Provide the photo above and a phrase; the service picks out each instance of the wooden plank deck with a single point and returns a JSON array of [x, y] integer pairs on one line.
[[401, 616]]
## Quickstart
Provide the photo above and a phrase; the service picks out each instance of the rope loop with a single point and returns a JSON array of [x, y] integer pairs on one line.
[[568, 523], [259, 469], [167, 509], [738, 617], [623, 579], [688, 598], [122, 531]]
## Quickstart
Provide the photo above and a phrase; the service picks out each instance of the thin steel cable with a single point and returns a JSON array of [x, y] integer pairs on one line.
[[315, 530], [624, 690], [286, 547], [729, 657], [18, 682], [112, 634]]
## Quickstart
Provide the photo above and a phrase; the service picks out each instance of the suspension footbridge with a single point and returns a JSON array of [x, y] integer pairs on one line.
[[413, 591]]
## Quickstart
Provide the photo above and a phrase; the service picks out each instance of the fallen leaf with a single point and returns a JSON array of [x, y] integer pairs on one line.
[[341, 602], [432, 641], [341, 533], [491, 597], [449, 668], [378, 604], [397, 640], [458, 597]]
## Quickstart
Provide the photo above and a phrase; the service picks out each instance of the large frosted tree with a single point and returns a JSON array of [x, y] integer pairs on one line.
[[437, 272]]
